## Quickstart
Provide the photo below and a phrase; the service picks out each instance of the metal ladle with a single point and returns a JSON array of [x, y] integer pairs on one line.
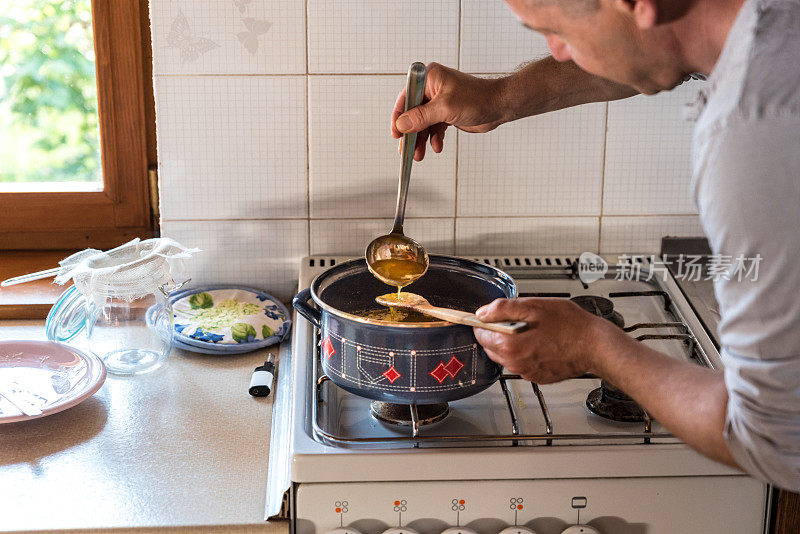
[[395, 245]]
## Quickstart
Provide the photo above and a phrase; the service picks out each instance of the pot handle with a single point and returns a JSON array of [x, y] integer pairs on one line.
[[300, 303]]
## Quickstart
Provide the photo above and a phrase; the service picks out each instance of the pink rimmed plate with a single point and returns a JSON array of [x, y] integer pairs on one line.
[[45, 376]]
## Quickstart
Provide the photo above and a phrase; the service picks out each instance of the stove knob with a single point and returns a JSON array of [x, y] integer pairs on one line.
[[400, 530], [517, 530], [459, 530], [343, 530], [580, 529]]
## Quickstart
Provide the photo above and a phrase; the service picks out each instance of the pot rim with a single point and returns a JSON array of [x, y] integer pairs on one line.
[[502, 275]]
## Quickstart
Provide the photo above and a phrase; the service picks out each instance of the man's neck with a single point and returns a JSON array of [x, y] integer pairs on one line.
[[702, 31]]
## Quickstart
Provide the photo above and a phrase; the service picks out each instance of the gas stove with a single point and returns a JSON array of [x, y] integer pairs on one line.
[[517, 458]]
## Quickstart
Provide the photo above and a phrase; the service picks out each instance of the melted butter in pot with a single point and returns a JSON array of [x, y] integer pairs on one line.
[[395, 315], [392, 314]]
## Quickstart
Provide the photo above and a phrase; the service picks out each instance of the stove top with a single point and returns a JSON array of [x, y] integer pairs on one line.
[[514, 412], [512, 430]]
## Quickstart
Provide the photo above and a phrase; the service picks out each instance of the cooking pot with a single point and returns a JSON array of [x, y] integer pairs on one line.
[[404, 363]]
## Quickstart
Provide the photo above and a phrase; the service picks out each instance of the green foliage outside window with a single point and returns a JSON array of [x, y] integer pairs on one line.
[[48, 93]]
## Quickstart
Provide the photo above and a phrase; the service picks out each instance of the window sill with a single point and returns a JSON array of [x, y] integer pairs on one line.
[[31, 300], [50, 187]]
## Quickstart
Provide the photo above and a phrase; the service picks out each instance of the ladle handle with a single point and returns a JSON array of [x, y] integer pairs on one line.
[[415, 88], [470, 319]]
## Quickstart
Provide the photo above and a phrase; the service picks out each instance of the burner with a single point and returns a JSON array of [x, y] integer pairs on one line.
[[400, 414], [609, 402], [600, 306]]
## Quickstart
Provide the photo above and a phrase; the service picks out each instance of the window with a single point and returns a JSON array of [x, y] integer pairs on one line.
[[63, 186], [49, 135]]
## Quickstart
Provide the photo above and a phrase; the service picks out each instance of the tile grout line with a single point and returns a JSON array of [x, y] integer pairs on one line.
[[653, 215], [602, 184], [231, 75], [455, 178], [308, 136], [307, 74], [476, 217]]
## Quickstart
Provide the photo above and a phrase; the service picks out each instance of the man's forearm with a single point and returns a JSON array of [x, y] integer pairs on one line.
[[689, 400], [548, 85]]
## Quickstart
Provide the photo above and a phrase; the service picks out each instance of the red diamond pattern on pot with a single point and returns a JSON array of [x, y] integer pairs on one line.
[[327, 347], [391, 374], [440, 373], [453, 367]]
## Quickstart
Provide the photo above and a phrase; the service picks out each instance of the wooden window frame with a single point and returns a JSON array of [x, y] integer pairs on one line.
[[122, 211]]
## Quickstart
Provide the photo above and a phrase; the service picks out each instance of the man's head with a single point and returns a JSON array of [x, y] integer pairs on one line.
[[627, 41]]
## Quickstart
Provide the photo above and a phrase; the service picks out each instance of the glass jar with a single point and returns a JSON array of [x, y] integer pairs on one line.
[[120, 298], [130, 336]]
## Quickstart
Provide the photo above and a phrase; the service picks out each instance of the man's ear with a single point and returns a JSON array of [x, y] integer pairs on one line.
[[643, 12]]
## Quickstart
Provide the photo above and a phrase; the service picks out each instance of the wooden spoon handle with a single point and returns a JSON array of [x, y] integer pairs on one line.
[[470, 319]]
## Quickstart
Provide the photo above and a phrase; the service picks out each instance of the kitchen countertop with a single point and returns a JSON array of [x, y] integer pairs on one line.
[[184, 448]]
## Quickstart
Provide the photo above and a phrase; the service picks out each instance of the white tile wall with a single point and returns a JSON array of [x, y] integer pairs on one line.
[[262, 254], [364, 36], [273, 134], [354, 164], [350, 236], [231, 37], [526, 235], [222, 154], [648, 168], [643, 234], [494, 40], [545, 165]]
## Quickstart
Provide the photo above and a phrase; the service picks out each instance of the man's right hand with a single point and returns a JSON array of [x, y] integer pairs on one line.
[[452, 98], [477, 104]]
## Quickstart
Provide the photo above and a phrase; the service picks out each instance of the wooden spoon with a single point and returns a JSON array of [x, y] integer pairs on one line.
[[412, 301]]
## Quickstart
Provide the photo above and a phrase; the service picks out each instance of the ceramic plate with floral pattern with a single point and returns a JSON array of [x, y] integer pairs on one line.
[[229, 318]]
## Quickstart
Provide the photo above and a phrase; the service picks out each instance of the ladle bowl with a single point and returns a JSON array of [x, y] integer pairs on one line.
[[391, 254]]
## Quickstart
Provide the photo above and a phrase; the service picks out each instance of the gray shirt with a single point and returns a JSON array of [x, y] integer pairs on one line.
[[746, 159]]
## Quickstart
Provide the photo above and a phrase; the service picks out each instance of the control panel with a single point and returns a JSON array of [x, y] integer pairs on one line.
[[690, 505]]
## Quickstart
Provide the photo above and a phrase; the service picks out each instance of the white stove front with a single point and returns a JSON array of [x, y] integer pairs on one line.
[[670, 505]]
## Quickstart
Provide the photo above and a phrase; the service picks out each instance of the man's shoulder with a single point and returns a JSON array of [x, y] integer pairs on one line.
[[772, 81], [757, 75]]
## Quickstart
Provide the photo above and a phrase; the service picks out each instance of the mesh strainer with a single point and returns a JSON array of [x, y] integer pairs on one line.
[[127, 272]]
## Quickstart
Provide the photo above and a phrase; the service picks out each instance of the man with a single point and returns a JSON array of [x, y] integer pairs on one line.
[[746, 156]]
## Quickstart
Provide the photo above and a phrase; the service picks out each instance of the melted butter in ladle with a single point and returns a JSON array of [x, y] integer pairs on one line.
[[398, 272]]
